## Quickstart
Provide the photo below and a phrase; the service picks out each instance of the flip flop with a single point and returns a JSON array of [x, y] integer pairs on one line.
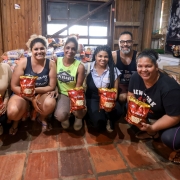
[[143, 135], [45, 127], [176, 158], [13, 131]]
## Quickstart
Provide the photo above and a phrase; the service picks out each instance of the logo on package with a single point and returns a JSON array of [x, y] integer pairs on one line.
[[65, 77]]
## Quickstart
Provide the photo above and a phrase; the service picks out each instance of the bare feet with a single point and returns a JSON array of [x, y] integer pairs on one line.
[[14, 128], [142, 135], [175, 157], [45, 126]]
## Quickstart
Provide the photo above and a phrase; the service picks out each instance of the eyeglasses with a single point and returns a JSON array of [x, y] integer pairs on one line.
[[127, 42]]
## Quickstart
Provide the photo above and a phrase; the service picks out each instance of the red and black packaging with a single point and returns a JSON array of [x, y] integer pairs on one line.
[[27, 84], [77, 98], [137, 111], [107, 98]]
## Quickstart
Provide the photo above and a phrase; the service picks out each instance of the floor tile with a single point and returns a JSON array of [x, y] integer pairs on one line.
[[11, 166], [75, 162], [126, 133], [42, 166], [162, 150], [93, 136], [71, 138], [157, 174], [136, 154], [174, 170], [44, 140], [18, 142], [123, 176], [106, 158]]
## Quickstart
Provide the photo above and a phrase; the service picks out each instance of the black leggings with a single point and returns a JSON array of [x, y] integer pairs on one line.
[[171, 137], [99, 117]]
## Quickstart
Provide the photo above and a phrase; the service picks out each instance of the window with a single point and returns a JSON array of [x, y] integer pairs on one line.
[[92, 30]]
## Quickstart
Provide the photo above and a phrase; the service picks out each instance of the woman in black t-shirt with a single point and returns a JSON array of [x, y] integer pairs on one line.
[[162, 93]]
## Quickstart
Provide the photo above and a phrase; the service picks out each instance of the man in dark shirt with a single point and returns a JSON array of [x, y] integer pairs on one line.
[[125, 60]]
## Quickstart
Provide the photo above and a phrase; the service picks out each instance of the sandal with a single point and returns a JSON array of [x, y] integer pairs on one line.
[[45, 127], [175, 157], [143, 135], [13, 131]]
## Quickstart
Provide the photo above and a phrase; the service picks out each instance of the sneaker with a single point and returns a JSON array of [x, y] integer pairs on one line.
[[77, 124], [65, 124], [1, 130], [108, 127]]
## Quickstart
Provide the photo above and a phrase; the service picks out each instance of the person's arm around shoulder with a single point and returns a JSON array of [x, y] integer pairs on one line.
[[116, 84], [18, 71], [52, 80], [8, 91], [80, 75], [114, 55]]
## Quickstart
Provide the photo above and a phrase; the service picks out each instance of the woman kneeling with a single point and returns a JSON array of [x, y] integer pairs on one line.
[[162, 93], [70, 74], [103, 74], [43, 100]]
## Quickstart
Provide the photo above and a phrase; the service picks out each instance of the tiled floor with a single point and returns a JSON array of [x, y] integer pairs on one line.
[[83, 155]]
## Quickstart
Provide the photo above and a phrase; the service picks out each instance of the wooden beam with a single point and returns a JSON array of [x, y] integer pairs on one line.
[[83, 17], [148, 23], [127, 24], [1, 33], [141, 19]]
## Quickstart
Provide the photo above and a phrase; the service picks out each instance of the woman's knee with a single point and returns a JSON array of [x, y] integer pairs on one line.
[[80, 113], [61, 116], [49, 105], [14, 113], [170, 138]]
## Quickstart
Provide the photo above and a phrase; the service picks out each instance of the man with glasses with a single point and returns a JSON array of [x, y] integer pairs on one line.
[[125, 60]]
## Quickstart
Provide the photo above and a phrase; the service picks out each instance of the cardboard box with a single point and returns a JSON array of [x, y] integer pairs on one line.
[[173, 70]]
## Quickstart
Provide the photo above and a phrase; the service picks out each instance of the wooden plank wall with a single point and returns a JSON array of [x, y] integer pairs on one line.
[[148, 23], [128, 11], [19, 24], [1, 41]]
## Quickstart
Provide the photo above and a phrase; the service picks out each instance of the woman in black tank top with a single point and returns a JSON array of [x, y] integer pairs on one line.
[[43, 101]]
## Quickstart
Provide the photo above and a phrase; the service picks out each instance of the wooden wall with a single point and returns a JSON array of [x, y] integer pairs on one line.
[[16, 25], [1, 42], [19, 24], [129, 17]]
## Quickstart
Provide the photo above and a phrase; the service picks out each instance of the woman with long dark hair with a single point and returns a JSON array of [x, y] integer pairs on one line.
[[103, 74]]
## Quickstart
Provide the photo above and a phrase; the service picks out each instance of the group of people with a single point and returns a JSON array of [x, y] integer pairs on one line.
[[129, 72]]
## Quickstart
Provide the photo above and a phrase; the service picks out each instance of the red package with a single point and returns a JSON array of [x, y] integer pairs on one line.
[[27, 85], [137, 111], [107, 98], [77, 98]]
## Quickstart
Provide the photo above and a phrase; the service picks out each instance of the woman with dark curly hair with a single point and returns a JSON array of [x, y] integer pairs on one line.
[[43, 100], [103, 74], [162, 93]]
